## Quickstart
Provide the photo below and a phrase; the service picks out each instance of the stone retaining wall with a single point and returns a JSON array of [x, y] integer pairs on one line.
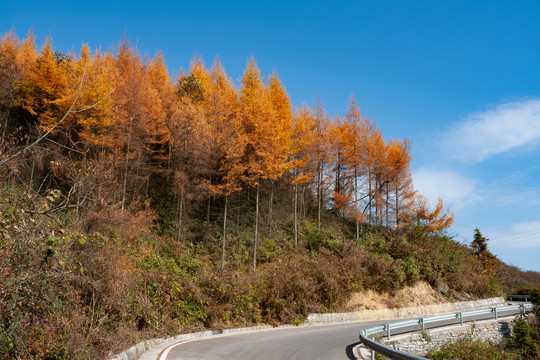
[[405, 313], [420, 343]]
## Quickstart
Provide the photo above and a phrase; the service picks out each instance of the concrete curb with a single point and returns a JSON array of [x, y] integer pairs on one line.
[[150, 349], [137, 351]]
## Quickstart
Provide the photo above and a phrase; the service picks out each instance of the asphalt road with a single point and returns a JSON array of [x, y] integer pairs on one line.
[[310, 342], [328, 342]]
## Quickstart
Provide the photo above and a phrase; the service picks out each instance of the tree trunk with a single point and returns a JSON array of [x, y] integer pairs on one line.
[[376, 197], [369, 197], [224, 233], [270, 209], [397, 205], [356, 204], [256, 229], [126, 167], [180, 213], [295, 215], [238, 220], [343, 238], [304, 207], [7, 115], [207, 234], [319, 195], [387, 201], [78, 204], [169, 163], [32, 173]]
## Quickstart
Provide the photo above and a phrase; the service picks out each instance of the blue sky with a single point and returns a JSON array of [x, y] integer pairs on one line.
[[458, 78]]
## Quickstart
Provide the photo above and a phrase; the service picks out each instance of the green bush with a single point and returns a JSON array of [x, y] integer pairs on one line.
[[468, 349]]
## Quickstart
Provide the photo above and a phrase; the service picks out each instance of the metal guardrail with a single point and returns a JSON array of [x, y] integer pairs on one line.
[[386, 329], [518, 297]]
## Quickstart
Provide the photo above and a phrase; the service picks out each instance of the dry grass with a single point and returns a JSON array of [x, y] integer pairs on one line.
[[419, 294]]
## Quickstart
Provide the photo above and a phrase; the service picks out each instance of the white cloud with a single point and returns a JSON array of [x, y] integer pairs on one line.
[[521, 236], [485, 134], [452, 187]]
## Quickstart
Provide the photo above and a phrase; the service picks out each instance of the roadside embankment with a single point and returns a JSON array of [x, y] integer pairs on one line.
[[156, 345]]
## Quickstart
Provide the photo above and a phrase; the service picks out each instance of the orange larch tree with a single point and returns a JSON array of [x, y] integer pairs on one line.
[[46, 90], [375, 152], [280, 136], [320, 153], [139, 122], [398, 179], [94, 120], [356, 141], [301, 138], [435, 220], [258, 119]]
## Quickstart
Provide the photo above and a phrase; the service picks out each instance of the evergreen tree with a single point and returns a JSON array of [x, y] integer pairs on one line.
[[479, 244]]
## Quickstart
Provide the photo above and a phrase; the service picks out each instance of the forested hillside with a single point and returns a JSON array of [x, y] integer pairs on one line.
[[135, 203]]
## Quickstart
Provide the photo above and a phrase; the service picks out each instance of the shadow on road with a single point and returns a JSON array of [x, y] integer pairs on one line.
[[349, 350]]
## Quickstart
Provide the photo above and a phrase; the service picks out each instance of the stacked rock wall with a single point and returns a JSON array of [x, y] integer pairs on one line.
[[420, 343]]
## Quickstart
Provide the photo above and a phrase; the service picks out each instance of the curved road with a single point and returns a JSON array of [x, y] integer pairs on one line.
[[328, 342], [310, 342]]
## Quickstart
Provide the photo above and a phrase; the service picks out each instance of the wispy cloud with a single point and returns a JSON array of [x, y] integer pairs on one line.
[[521, 236], [485, 134], [453, 187]]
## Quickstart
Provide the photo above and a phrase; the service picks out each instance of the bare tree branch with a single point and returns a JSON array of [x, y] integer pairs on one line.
[[94, 105], [67, 147]]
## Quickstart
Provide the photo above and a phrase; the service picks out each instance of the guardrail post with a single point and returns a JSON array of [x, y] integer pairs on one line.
[[372, 352], [496, 315], [422, 323], [388, 331], [461, 318]]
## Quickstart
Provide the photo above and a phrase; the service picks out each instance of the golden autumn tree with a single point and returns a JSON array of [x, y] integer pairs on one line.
[[301, 139], [225, 145], [16, 126], [232, 170], [347, 140], [191, 136], [161, 95], [90, 129], [139, 122], [399, 181], [16, 58], [356, 132], [46, 90], [229, 139], [280, 135], [266, 118], [320, 153], [209, 136], [93, 114], [342, 189], [375, 152], [337, 133], [257, 118], [435, 220]]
